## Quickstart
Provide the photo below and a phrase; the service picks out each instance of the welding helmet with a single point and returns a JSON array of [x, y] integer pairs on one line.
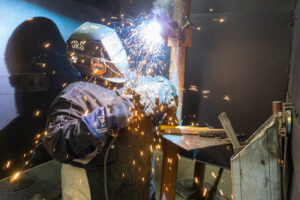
[[95, 50]]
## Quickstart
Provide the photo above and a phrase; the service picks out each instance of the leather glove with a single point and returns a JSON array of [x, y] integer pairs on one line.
[[118, 112], [109, 119], [156, 92]]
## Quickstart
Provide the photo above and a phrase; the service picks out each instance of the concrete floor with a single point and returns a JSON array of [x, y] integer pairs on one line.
[[48, 183], [186, 171]]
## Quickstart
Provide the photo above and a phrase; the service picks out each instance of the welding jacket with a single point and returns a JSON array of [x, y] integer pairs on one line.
[[129, 163]]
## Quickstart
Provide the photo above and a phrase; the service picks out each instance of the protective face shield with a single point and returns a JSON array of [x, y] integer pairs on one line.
[[95, 50]]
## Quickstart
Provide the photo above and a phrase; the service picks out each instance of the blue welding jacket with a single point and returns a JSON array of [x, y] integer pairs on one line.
[[73, 135], [95, 122]]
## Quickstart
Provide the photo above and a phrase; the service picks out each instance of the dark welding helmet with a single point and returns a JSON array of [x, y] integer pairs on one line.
[[95, 50]]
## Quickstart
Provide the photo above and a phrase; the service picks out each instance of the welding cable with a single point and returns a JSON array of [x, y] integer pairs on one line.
[[115, 136]]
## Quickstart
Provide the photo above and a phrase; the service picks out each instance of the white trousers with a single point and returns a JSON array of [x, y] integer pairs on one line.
[[75, 185]]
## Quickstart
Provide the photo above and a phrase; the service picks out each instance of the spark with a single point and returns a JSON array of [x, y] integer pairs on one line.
[[64, 85], [198, 28], [8, 164], [211, 10], [221, 20], [193, 88], [196, 180], [151, 33], [226, 98], [86, 112], [204, 192], [15, 177], [37, 113], [151, 149], [221, 192], [46, 45], [146, 48], [213, 175], [158, 147]]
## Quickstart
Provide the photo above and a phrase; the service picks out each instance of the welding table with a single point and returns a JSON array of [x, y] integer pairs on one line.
[[188, 144]]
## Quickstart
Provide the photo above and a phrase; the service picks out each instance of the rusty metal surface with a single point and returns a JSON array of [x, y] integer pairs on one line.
[[192, 142]]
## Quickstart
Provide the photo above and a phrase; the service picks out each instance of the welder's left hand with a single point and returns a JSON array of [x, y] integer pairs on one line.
[[118, 113], [109, 119]]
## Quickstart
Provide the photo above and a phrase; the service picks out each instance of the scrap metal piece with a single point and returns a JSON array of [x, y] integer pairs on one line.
[[230, 132], [255, 170]]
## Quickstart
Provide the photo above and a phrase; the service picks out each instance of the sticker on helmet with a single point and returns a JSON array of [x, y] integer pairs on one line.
[[75, 44]]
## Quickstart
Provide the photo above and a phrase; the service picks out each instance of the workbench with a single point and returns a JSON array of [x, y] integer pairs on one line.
[[187, 144]]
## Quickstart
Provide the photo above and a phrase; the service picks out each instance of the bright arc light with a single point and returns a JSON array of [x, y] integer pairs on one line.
[[151, 33]]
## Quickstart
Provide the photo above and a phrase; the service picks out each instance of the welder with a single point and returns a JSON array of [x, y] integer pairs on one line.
[[101, 131]]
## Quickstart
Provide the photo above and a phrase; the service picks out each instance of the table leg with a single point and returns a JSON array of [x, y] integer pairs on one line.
[[169, 171], [199, 173]]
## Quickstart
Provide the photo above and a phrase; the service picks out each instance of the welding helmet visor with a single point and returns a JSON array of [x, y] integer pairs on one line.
[[95, 50]]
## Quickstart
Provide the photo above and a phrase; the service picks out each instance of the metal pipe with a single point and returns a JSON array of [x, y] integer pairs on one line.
[[178, 53]]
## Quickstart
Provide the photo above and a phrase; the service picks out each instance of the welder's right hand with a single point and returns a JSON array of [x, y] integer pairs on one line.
[[118, 113]]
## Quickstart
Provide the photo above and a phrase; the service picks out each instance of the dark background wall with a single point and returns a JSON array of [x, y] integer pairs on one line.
[[246, 58], [239, 66]]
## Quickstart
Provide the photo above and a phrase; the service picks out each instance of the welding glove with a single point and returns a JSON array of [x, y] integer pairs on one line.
[[156, 92], [109, 119]]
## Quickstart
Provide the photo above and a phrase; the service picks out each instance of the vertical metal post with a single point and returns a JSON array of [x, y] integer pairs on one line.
[[177, 72], [276, 107], [178, 53]]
